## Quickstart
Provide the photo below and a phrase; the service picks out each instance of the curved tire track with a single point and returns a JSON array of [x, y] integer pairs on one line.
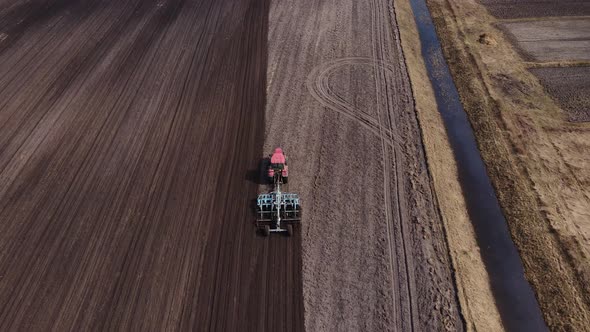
[[319, 87], [318, 84], [373, 250]]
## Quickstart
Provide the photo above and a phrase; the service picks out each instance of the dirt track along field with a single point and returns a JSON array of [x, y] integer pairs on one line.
[[127, 133], [571, 87], [554, 44], [537, 8], [339, 102], [551, 35], [565, 39]]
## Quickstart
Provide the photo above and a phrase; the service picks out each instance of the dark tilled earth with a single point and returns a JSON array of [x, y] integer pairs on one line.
[[570, 87], [537, 8], [127, 130]]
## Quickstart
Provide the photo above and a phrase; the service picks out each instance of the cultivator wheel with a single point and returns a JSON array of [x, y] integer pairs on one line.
[[265, 230]]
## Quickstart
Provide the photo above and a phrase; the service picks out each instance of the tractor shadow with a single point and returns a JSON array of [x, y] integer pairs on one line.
[[258, 176], [253, 208]]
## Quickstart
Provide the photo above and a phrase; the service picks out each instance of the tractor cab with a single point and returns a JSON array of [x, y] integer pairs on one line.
[[278, 170]]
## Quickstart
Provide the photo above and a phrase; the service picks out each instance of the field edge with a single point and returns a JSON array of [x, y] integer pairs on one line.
[[477, 303], [494, 97]]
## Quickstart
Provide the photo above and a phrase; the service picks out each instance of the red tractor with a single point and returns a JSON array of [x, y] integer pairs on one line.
[[277, 211], [278, 170]]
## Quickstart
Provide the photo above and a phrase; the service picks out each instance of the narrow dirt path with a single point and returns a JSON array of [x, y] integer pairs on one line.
[[339, 102]]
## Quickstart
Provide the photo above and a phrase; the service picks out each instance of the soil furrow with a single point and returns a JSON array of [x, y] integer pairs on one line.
[[130, 128]]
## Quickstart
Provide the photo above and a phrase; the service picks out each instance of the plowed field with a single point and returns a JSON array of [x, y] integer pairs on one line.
[[127, 130]]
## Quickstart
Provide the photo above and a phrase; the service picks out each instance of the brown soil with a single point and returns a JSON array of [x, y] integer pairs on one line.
[[571, 88], [339, 102], [537, 8], [127, 130], [536, 159], [550, 39]]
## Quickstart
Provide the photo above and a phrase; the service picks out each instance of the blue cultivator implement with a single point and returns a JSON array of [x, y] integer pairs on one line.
[[277, 212]]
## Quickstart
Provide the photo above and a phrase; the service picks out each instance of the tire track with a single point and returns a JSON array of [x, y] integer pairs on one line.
[[319, 87], [389, 118], [381, 50]]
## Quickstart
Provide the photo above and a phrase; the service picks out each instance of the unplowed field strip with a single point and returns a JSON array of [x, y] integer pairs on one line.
[[340, 104], [127, 130]]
